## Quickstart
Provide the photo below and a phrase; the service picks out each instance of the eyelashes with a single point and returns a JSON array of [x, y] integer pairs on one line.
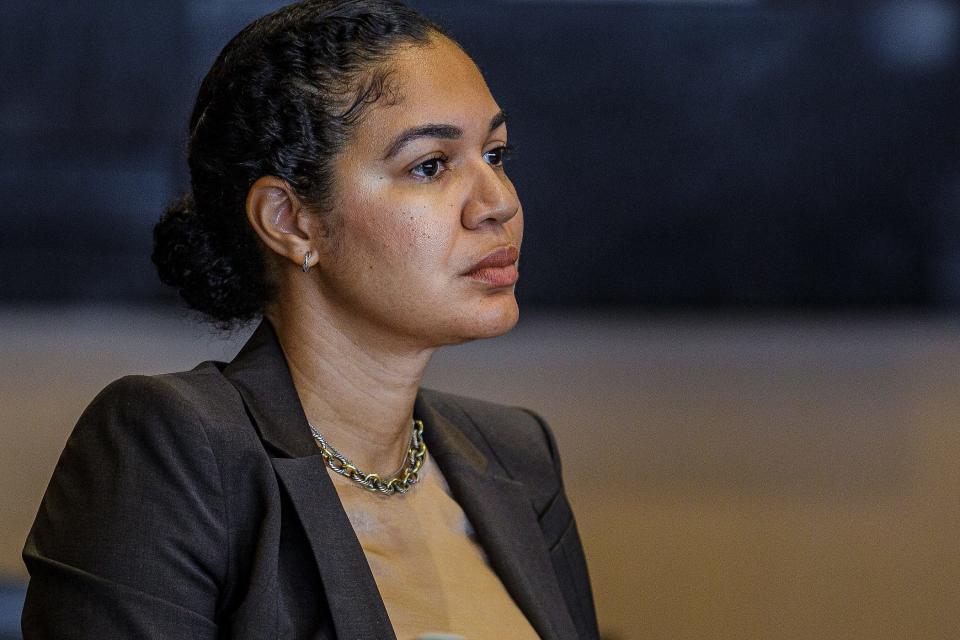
[[432, 168], [499, 155]]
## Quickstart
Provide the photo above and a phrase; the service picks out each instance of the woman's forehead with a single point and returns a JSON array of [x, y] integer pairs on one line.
[[431, 84]]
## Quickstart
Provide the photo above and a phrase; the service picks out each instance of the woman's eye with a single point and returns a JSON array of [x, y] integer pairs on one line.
[[428, 168], [495, 157]]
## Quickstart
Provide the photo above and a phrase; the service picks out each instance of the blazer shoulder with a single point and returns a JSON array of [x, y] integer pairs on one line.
[[164, 387], [516, 437], [200, 394], [140, 399], [173, 416], [165, 417], [135, 513]]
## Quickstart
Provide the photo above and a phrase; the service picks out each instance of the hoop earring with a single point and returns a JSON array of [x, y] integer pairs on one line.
[[306, 261]]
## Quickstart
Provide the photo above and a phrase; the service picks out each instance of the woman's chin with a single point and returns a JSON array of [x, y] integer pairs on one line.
[[495, 318]]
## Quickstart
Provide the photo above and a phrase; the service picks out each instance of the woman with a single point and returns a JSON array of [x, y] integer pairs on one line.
[[347, 185]]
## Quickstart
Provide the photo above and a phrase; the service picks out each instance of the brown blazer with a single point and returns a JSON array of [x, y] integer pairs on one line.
[[193, 505]]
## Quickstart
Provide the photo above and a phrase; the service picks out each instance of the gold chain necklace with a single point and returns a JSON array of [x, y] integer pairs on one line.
[[400, 482]]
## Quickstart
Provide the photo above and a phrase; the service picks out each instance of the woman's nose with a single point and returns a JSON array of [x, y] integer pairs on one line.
[[492, 198]]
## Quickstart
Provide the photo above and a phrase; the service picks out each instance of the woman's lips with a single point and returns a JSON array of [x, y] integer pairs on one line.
[[497, 276], [498, 269]]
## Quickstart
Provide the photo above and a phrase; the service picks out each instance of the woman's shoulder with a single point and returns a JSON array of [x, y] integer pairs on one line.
[[178, 391], [136, 510], [162, 413], [200, 396], [176, 417]]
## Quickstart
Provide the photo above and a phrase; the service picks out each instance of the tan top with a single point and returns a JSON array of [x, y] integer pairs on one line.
[[431, 571]]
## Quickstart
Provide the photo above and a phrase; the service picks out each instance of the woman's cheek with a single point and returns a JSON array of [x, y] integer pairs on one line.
[[423, 230]]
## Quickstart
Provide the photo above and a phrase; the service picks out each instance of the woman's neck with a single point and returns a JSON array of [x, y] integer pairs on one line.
[[357, 390]]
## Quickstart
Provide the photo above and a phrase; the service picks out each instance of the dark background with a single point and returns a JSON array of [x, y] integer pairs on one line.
[[705, 155]]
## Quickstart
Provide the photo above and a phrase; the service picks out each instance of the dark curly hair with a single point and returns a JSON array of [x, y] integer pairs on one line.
[[280, 100]]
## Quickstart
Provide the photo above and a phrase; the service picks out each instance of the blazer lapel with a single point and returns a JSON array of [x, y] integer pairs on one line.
[[261, 376], [506, 524], [355, 602]]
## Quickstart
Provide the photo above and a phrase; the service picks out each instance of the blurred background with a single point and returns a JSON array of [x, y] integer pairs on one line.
[[740, 287]]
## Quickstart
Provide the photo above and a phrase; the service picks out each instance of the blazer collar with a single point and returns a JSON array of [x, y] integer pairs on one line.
[[497, 507], [261, 375]]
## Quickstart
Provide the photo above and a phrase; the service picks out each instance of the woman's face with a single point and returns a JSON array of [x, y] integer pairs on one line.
[[427, 226]]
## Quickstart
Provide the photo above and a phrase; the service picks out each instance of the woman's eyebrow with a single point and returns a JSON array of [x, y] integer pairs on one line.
[[442, 131], [497, 120]]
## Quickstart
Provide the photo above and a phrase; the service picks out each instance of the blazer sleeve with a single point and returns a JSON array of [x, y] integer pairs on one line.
[[130, 539]]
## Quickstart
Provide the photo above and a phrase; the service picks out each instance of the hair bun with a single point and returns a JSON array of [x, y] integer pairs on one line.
[[197, 259]]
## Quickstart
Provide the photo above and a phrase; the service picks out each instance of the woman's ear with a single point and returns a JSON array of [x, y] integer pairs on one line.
[[277, 216]]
